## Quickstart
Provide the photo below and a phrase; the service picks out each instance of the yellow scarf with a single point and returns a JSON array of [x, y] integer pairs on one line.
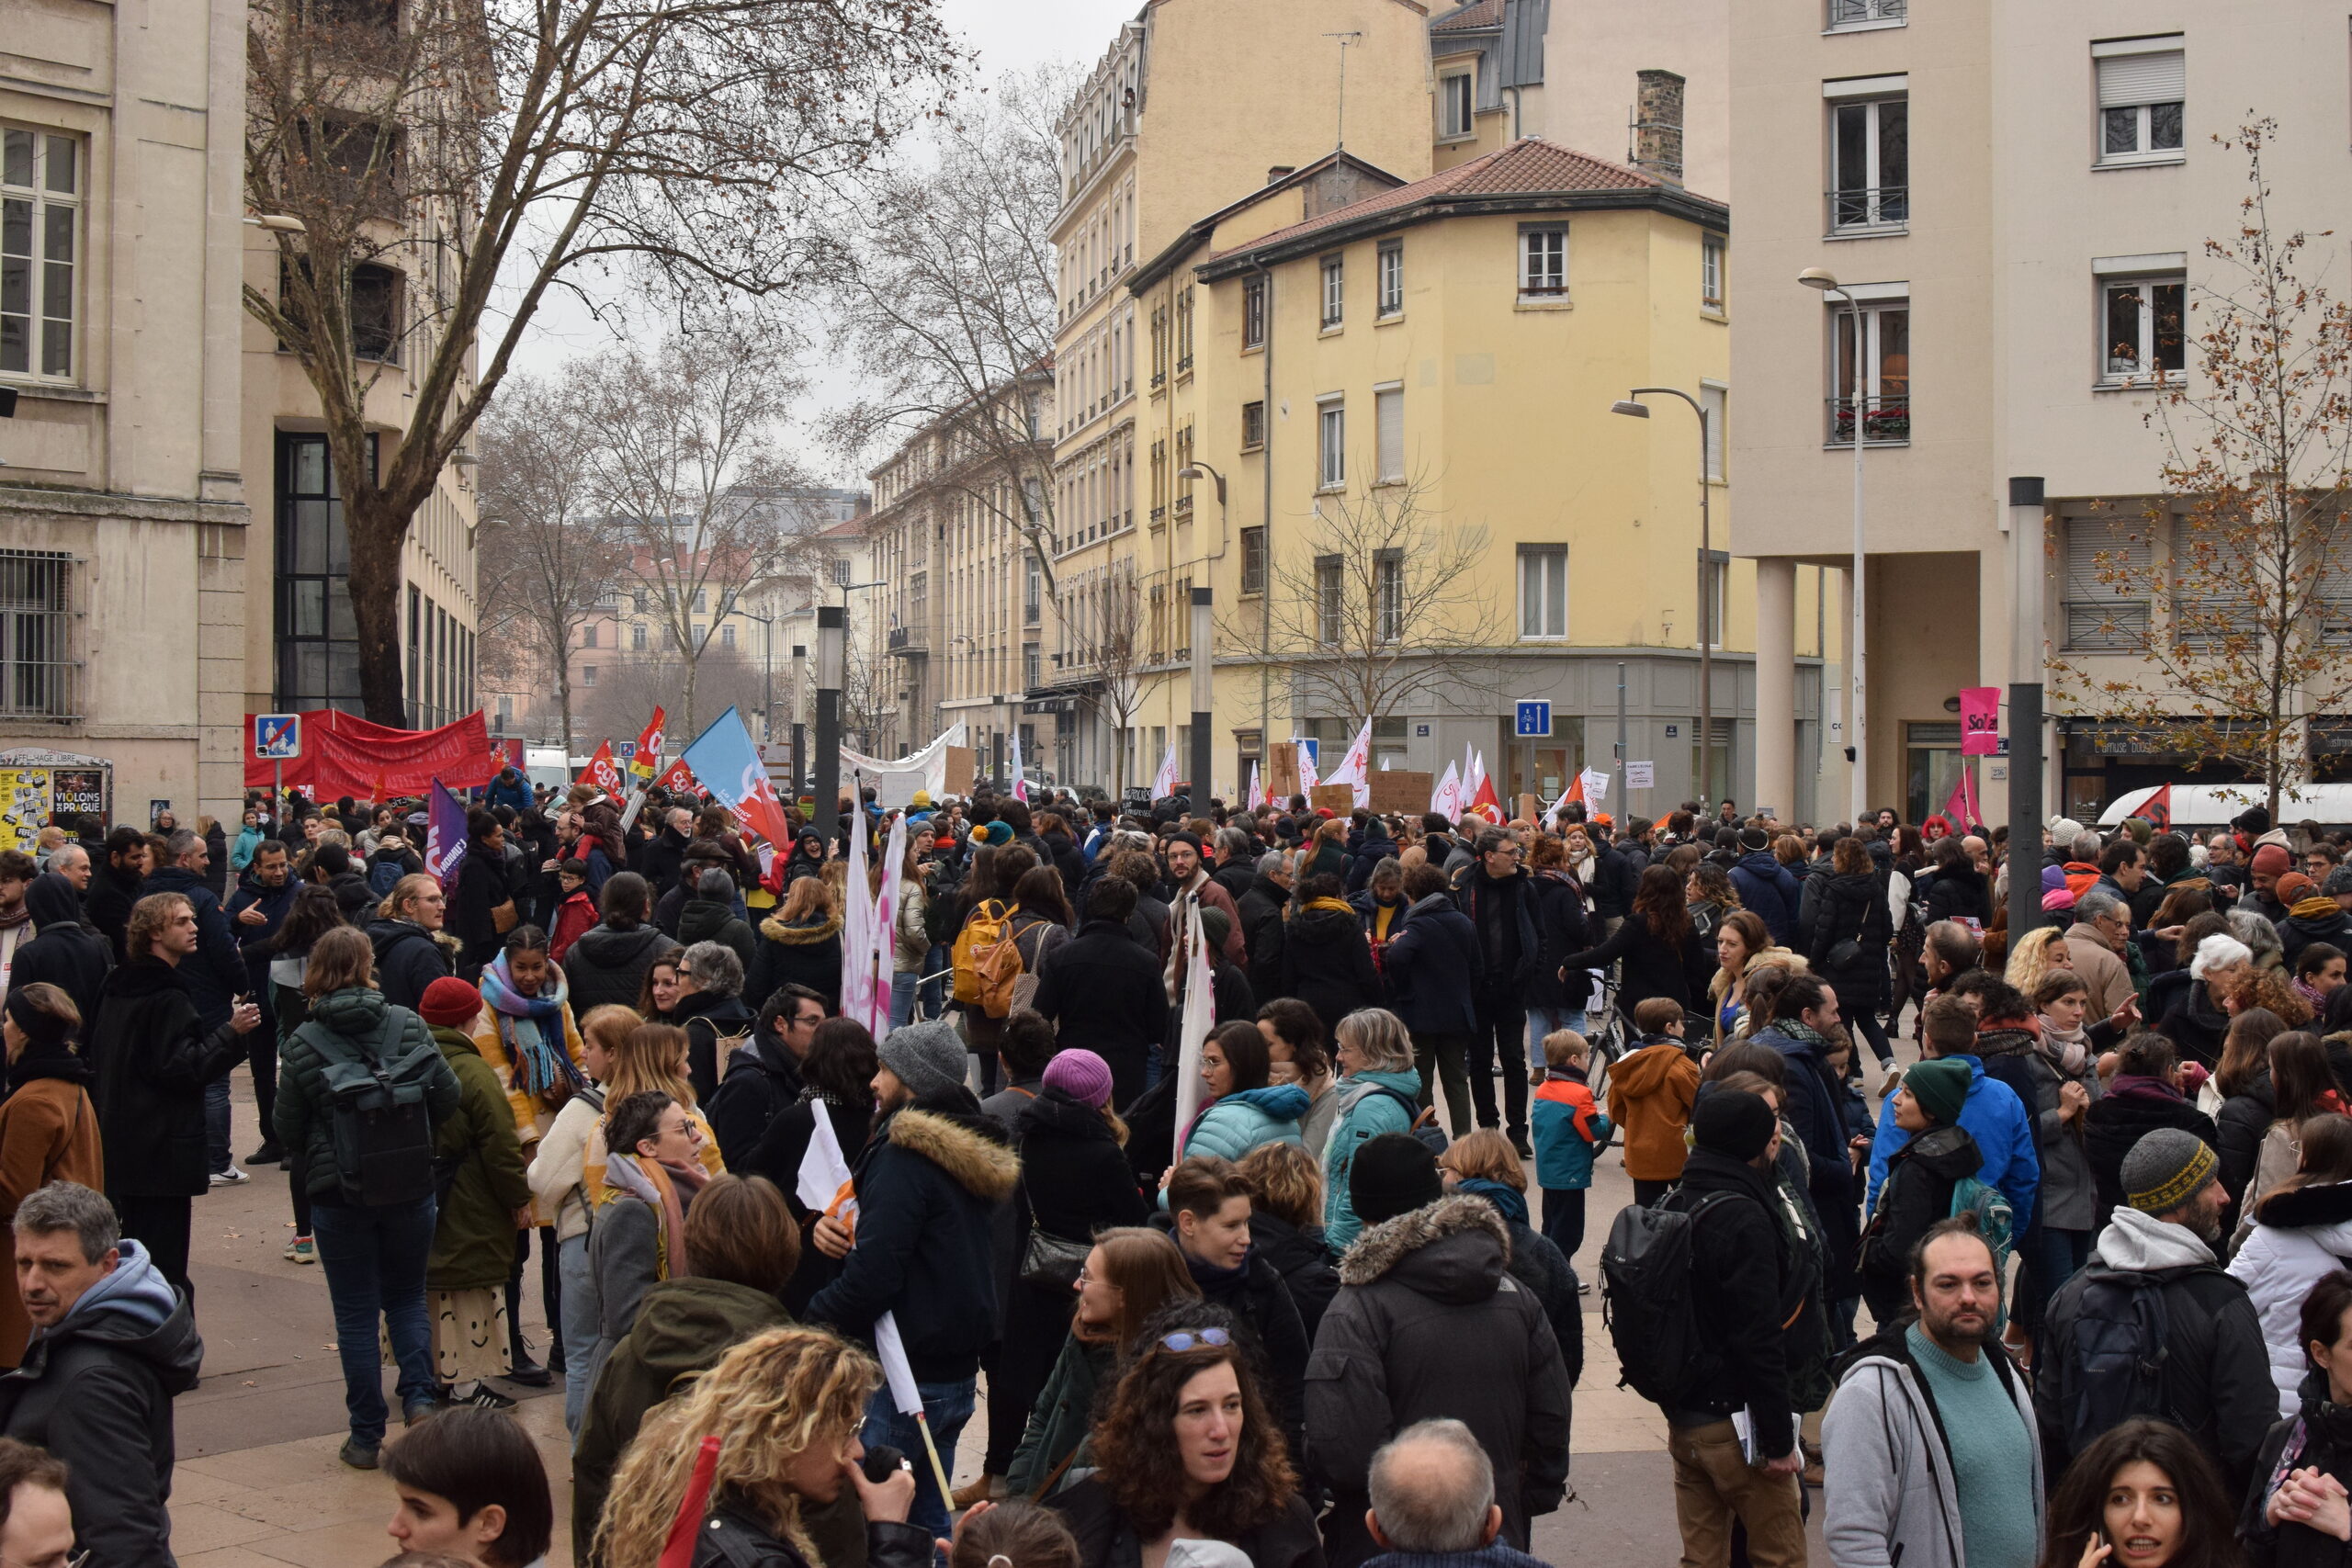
[[1341, 905]]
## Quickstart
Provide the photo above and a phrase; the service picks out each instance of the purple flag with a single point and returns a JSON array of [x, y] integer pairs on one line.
[[445, 835]]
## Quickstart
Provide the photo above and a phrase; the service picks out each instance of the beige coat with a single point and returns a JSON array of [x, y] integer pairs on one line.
[[2108, 979]]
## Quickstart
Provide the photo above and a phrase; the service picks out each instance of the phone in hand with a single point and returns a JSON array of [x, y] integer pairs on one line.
[[881, 1462]]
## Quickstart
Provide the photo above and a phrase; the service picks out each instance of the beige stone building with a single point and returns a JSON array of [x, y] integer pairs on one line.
[[2019, 250]]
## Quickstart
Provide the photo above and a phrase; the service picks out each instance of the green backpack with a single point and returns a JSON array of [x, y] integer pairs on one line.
[[377, 1118]]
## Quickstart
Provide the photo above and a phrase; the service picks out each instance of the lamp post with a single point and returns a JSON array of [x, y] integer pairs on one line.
[[1204, 658], [800, 729], [1857, 731], [832, 625], [1633, 409], [2026, 773]]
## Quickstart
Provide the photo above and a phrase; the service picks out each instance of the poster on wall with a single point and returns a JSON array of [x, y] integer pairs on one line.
[[37, 786]]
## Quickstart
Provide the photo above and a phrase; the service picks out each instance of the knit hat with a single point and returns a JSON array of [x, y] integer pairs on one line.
[[2065, 830], [2338, 881], [1216, 925], [46, 1029], [927, 1057], [1731, 1122], [922, 802], [2165, 1168], [2055, 899], [2274, 859], [993, 833], [1392, 1174], [1081, 1075], [449, 1003], [1940, 1086], [2053, 878], [2295, 886], [1753, 839], [1175, 838]]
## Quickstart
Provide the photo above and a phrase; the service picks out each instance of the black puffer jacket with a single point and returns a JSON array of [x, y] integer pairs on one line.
[[1326, 964], [1300, 1255], [112, 893], [1754, 1286], [763, 1080], [1850, 908], [1561, 927], [733, 1537], [1957, 892], [1261, 910], [64, 953], [1654, 966], [806, 952], [608, 964], [408, 960], [1432, 961], [1103, 990], [714, 920], [153, 1057], [2243, 1122]]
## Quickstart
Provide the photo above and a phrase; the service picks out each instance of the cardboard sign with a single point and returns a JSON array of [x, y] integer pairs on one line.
[[1402, 792], [1531, 808], [960, 769], [1338, 799], [1281, 771]]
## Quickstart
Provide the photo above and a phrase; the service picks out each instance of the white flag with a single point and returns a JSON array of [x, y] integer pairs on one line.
[[1355, 767], [1256, 790], [1199, 1019], [1020, 779], [857, 929], [1596, 787], [1307, 779], [1163, 783], [1446, 799], [823, 1173], [881, 948]]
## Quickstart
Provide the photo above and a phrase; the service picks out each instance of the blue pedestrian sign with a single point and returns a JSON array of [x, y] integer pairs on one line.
[[1532, 716], [277, 736]]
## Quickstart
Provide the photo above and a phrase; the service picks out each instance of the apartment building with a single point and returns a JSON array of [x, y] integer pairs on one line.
[[2014, 260]]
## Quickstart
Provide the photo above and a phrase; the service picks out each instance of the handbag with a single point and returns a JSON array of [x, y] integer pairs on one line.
[[1047, 1260], [505, 917]]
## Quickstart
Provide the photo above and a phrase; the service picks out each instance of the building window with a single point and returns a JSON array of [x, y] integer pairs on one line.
[[841, 576], [375, 313], [2103, 553], [1866, 13], [1328, 590], [1542, 591], [1253, 426], [317, 635], [1253, 313], [2141, 83], [699, 636], [1716, 402], [1253, 560], [588, 635], [1334, 289], [1715, 581], [1869, 161], [41, 216], [1331, 432], [587, 674], [1710, 272], [1388, 595], [1033, 671], [35, 630], [727, 638], [2143, 326], [1033, 593], [1544, 262], [1454, 92], [702, 601], [1883, 396], [637, 636], [1392, 277], [1183, 330], [639, 599], [1388, 430]]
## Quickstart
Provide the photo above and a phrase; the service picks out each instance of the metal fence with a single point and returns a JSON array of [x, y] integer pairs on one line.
[[38, 669]]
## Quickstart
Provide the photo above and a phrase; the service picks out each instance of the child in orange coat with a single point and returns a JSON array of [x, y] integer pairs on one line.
[[1649, 1098]]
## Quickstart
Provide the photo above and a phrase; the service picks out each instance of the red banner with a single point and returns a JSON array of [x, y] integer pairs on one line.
[[344, 754]]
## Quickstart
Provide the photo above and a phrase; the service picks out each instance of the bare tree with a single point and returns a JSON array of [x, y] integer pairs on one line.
[[432, 169], [1383, 605], [684, 463], [1105, 646], [2233, 592], [546, 558], [629, 690]]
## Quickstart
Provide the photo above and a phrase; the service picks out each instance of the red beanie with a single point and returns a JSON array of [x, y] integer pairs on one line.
[[2274, 859], [449, 1003]]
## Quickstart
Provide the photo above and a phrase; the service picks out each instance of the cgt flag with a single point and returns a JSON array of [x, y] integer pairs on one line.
[[600, 773], [648, 761], [729, 765], [678, 777]]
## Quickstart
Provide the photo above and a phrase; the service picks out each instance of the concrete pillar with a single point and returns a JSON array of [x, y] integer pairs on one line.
[[1837, 774], [1776, 685]]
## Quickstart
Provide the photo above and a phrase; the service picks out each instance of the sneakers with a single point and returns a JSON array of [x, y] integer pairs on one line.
[[485, 1397], [356, 1454], [302, 1249], [1893, 1076], [232, 1177], [268, 1154]]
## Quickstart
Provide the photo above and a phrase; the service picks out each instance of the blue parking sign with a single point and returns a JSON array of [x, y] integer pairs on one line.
[[277, 736], [1532, 716]]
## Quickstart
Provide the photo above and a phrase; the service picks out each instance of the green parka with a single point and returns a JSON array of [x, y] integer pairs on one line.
[[473, 1241], [304, 1119]]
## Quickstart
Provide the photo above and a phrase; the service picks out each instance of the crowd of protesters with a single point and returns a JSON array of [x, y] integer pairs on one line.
[[1999, 1247]]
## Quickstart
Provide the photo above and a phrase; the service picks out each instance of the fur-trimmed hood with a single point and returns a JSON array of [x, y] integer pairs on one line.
[[980, 1165], [801, 934], [1453, 1250]]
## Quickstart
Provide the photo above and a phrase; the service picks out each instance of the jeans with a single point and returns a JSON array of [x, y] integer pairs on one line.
[[261, 1054], [902, 998], [2049, 1258], [945, 1407], [1564, 1219], [579, 1327], [216, 1124], [934, 992], [374, 1257], [1441, 1057], [1501, 1029], [1541, 1021], [1866, 1020]]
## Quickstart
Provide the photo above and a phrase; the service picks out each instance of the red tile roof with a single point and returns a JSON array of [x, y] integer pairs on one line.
[[1476, 14]]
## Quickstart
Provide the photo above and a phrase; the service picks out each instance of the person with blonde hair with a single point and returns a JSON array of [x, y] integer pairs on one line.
[[801, 942], [2033, 956], [1379, 1092], [406, 934], [1484, 1164], [1286, 1224], [785, 1406]]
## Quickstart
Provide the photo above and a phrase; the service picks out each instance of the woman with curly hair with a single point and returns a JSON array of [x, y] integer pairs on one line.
[[1189, 1450], [786, 1407], [2033, 956], [2143, 1494]]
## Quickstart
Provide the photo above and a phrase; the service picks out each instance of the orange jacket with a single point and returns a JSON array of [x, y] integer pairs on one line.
[[1649, 1099]]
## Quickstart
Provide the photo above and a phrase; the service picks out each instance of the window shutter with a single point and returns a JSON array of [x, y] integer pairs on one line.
[[2128, 79], [2097, 615], [1390, 407], [2333, 593]]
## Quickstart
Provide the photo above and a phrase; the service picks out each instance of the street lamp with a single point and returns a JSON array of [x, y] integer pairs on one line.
[[1633, 409], [1203, 682], [1857, 734], [832, 621]]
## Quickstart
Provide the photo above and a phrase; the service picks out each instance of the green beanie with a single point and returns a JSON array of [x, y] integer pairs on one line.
[[1940, 1086]]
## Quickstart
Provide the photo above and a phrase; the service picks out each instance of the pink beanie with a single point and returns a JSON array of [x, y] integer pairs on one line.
[[1081, 1075]]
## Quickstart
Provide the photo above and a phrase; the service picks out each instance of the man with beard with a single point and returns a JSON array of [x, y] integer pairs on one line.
[[1929, 1448], [2197, 1359]]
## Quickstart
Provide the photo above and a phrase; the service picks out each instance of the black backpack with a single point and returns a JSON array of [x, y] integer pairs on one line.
[[1646, 1299], [378, 1122], [2116, 1354]]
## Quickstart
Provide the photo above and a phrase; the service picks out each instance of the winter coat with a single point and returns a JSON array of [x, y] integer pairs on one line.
[[1432, 965], [65, 952], [473, 921], [153, 1057], [777, 1157], [927, 1182], [108, 902], [2242, 1124], [2067, 1196], [1561, 927], [2004, 1131], [96, 1391], [1502, 912], [303, 1117], [1768, 888], [2132, 1108], [1061, 1419], [1104, 991], [1427, 1323], [473, 1231], [2297, 932], [1326, 964], [1850, 908], [572, 919], [49, 1132], [1567, 1129], [1916, 1193], [2109, 977], [559, 1164], [608, 964], [1815, 1109], [1371, 1103], [1369, 851], [709, 1017], [1539, 1265], [1650, 1093], [408, 960], [1261, 912], [1754, 1286], [762, 1080], [734, 1537], [711, 919], [1652, 965], [2189, 1018], [2215, 1377], [1897, 1498], [805, 953], [1106, 1539], [2320, 1433], [1240, 1121], [2299, 1237], [1254, 1293], [1299, 1254]]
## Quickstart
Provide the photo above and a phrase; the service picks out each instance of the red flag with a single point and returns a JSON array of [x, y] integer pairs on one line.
[[1576, 792], [677, 776], [2157, 808], [600, 771], [685, 1529], [1487, 802], [648, 748]]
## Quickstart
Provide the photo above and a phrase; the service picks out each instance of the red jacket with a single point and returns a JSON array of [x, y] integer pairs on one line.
[[574, 915]]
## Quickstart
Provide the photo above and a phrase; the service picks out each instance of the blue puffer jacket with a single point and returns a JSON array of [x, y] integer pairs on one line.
[[1998, 1121], [1768, 887], [1365, 1113], [1243, 1120]]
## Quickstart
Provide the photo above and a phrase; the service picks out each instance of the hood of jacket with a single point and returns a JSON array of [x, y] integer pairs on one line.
[[2142, 1244], [1436, 904], [684, 1324], [135, 1312], [385, 935], [2303, 1207], [1453, 1250], [1324, 928], [1644, 1072], [1281, 1101], [1948, 1152], [715, 1009], [606, 948], [801, 934], [356, 1011], [1054, 1114], [51, 901], [977, 1162], [1760, 863], [702, 919]]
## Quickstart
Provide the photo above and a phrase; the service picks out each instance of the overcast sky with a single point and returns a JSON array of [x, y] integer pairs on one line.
[[1005, 34]]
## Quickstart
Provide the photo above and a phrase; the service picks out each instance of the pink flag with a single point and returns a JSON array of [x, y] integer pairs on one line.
[[1980, 721], [1960, 808]]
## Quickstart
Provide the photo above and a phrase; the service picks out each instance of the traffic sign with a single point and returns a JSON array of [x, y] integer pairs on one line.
[[277, 736], [1532, 716]]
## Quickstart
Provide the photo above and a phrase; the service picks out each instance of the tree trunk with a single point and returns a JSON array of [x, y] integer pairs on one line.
[[563, 702], [377, 531], [694, 667]]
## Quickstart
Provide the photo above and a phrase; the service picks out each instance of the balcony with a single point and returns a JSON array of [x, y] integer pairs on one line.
[[913, 641], [1887, 420], [1866, 13], [1867, 211]]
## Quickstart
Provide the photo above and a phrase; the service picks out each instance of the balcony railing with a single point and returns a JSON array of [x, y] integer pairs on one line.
[[1854, 13], [1871, 208], [910, 640], [1887, 420]]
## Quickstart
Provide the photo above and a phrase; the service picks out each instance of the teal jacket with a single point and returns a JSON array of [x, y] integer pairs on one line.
[[1240, 1121], [1568, 1129], [1365, 1113]]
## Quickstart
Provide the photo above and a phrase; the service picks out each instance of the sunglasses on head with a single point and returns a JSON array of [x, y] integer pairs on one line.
[[1185, 1339]]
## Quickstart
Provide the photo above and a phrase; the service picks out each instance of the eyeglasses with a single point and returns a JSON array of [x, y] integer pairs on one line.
[[1185, 1339]]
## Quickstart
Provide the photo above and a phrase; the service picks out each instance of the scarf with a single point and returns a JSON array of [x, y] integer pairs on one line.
[[1798, 1030], [2066, 1049], [531, 1028], [1211, 1278], [2317, 998], [2318, 906], [1510, 1202], [1340, 906], [668, 1190]]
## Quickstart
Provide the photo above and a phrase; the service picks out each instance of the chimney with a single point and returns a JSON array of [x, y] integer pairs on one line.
[[1657, 125], [1279, 171]]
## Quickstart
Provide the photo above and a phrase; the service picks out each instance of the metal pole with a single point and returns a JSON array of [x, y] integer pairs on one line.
[[767, 680], [1620, 737], [2025, 703], [799, 726], [1203, 700], [1707, 631], [1858, 732], [832, 622]]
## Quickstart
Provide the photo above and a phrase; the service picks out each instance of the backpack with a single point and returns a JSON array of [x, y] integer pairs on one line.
[[941, 908], [377, 1122], [383, 875], [2116, 1354], [1421, 1122], [1646, 1299], [987, 959]]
